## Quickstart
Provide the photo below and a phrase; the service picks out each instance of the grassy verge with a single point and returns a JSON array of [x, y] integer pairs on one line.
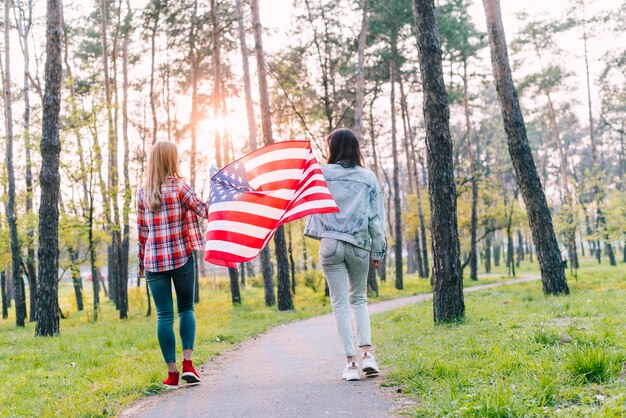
[[96, 369], [517, 353]]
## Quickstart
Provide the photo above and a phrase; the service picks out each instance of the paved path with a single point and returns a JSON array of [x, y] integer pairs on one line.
[[292, 370]]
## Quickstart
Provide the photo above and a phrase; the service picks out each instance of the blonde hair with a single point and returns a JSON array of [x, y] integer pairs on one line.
[[162, 163]]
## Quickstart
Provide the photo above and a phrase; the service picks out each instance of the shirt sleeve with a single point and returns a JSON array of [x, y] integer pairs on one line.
[[142, 234], [376, 225], [192, 202]]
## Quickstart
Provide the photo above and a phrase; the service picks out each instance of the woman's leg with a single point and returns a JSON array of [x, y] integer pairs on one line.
[[161, 288], [183, 278], [357, 262], [332, 261]]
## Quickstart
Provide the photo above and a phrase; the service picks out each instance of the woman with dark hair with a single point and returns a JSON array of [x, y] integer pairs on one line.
[[350, 238]]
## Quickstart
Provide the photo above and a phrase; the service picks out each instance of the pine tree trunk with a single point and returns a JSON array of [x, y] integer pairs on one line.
[[3, 290], [360, 74], [252, 133], [284, 296], [235, 296], [399, 283], [95, 274], [420, 214], [268, 276], [372, 284], [76, 278], [292, 264], [540, 220], [242, 271], [447, 278], [50, 178], [16, 257], [153, 98], [127, 189], [473, 259], [24, 21], [488, 253]]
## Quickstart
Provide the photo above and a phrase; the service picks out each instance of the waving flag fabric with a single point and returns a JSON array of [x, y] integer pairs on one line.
[[251, 197]]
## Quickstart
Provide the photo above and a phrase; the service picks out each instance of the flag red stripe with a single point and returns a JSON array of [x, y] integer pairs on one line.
[[230, 236], [293, 163], [243, 217]]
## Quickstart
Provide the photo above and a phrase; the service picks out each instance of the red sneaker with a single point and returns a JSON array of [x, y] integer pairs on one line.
[[189, 373], [172, 380]]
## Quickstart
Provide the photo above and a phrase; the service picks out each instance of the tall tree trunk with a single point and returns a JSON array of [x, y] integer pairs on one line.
[[127, 189], [252, 133], [420, 214], [447, 278], [284, 296], [548, 254], [217, 83], [24, 21], [16, 257], [76, 278], [113, 226], [153, 98], [292, 264], [488, 253], [193, 120], [473, 255], [50, 178], [3, 290], [396, 172], [360, 74]]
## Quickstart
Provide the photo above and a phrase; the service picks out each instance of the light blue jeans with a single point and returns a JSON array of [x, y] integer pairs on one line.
[[345, 267]]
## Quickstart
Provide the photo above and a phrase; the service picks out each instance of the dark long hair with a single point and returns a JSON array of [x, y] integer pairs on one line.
[[343, 147]]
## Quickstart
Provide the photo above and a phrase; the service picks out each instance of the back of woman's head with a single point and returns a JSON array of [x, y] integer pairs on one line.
[[343, 146], [162, 163]]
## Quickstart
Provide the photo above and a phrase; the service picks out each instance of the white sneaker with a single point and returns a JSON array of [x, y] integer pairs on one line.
[[368, 365], [351, 372]]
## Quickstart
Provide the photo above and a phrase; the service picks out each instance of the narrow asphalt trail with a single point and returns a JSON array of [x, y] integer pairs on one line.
[[292, 370]]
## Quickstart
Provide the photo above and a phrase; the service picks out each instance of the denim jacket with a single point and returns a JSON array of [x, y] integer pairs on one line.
[[360, 220]]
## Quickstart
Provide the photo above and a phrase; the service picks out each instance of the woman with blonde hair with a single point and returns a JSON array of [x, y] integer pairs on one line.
[[167, 220]]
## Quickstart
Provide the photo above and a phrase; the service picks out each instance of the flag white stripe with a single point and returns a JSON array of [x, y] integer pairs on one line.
[[246, 207], [313, 178], [326, 203], [312, 190], [277, 155], [276, 175], [231, 247], [238, 227]]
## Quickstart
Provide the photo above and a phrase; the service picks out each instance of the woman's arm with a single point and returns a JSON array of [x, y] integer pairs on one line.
[[142, 234], [192, 202], [376, 225]]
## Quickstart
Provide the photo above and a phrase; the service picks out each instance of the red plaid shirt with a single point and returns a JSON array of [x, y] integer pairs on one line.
[[167, 236]]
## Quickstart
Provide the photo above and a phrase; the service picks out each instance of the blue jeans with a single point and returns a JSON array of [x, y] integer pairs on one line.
[[345, 267], [161, 287]]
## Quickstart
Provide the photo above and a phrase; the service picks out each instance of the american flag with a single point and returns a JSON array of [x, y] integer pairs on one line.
[[251, 197]]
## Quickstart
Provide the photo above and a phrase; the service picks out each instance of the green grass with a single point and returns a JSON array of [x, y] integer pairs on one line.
[[95, 369], [517, 352]]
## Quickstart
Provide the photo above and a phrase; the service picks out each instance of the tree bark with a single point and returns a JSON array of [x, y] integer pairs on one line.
[[16, 257], [284, 296], [77, 281], [399, 282], [473, 258], [113, 226], [24, 21], [50, 178], [127, 190], [360, 74], [252, 133], [447, 279], [153, 99], [3, 289], [548, 254]]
